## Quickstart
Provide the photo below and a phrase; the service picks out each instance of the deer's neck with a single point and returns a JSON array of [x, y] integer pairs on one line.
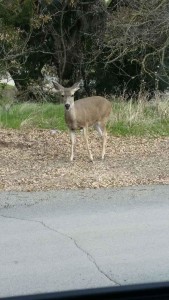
[[70, 118]]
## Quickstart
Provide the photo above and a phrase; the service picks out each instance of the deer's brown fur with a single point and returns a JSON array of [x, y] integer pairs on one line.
[[83, 113]]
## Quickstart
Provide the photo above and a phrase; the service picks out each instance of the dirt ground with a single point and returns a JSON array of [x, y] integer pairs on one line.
[[39, 160]]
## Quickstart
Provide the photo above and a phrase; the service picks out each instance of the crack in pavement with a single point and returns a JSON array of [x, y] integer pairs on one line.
[[89, 256]]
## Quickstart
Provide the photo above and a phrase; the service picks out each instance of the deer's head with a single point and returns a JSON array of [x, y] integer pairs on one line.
[[67, 93]]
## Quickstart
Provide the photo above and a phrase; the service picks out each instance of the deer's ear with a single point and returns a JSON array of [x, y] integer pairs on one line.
[[58, 86], [76, 86]]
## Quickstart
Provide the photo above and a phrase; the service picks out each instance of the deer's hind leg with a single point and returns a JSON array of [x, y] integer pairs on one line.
[[85, 132], [104, 137], [101, 129]]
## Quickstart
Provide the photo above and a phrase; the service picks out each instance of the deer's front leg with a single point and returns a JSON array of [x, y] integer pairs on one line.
[[73, 139]]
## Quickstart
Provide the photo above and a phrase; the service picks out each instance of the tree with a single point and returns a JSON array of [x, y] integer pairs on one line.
[[110, 44], [137, 42], [53, 32]]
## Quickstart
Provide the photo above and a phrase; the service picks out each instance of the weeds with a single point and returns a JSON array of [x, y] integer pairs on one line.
[[150, 118]]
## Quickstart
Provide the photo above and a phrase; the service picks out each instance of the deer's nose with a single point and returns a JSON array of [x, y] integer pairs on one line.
[[67, 106]]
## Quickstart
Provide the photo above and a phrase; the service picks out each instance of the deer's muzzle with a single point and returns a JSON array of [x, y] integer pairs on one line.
[[67, 106]]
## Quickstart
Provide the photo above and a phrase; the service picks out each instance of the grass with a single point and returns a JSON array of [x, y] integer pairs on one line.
[[140, 119], [127, 118], [33, 115]]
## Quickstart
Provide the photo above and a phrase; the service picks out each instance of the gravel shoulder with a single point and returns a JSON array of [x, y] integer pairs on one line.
[[37, 160]]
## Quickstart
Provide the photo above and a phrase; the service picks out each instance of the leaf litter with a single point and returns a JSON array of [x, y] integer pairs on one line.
[[34, 160]]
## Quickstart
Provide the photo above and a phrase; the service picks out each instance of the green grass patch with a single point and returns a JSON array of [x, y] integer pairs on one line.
[[139, 129], [33, 115], [127, 118]]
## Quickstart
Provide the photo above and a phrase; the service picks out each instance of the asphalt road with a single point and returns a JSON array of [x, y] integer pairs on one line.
[[63, 240]]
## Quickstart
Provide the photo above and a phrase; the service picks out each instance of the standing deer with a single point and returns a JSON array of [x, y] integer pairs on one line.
[[91, 111]]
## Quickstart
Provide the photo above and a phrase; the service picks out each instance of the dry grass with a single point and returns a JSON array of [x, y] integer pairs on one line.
[[140, 118]]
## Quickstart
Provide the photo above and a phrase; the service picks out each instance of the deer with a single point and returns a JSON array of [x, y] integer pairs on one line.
[[84, 113]]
